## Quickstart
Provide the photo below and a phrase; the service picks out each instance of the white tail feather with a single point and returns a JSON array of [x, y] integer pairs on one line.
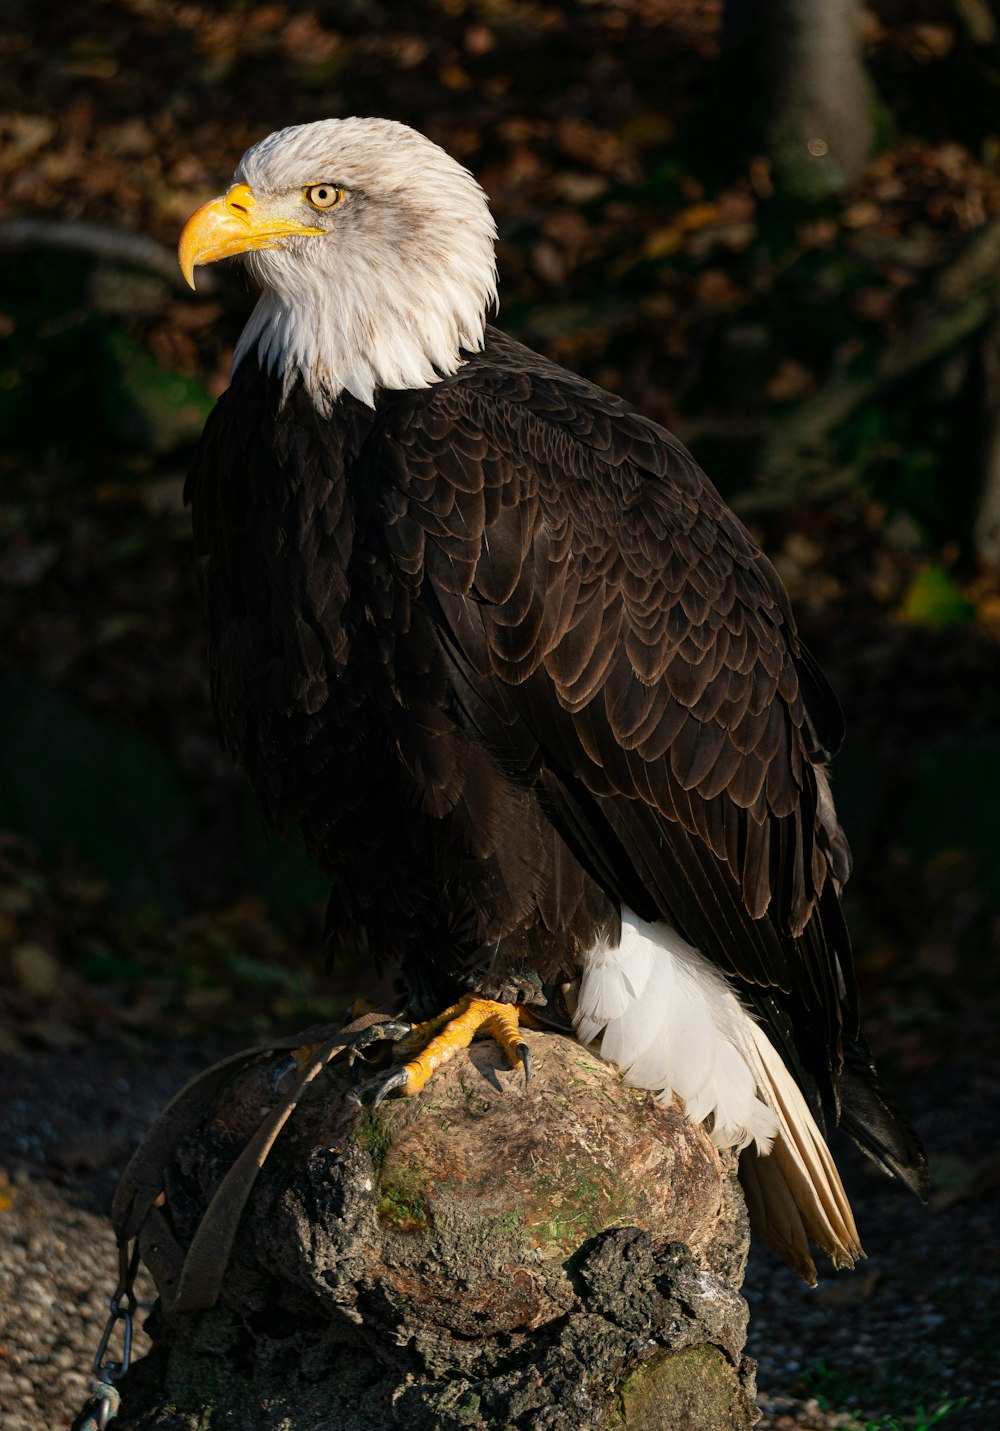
[[613, 980], [672, 1024]]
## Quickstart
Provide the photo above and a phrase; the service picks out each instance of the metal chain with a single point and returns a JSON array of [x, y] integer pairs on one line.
[[123, 1304], [104, 1401]]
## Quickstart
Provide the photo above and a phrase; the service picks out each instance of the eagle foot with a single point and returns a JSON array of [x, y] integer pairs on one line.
[[299, 1058], [293, 1062], [390, 1032], [427, 1045]]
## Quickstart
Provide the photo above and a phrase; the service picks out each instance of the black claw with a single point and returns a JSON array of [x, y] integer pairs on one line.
[[371, 1094], [389, 1085], [281, 1071], [524, 1054]]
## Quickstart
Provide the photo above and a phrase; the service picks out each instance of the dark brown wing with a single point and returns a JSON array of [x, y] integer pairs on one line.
[[614, 630]]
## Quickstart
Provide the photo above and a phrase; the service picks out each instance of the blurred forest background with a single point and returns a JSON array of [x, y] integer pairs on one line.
[[775, 233]]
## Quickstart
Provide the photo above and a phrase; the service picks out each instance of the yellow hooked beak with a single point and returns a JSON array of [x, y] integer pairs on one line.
[[234, 223]]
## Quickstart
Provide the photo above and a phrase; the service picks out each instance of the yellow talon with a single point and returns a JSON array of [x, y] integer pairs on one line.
[[504, 1028], [455, 1029]]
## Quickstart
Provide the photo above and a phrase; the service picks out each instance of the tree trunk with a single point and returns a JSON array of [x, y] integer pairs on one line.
[[561, 1255], [818, 126]]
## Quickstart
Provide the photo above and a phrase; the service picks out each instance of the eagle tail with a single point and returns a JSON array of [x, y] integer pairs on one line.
[[673, 1024], [795, 1194]]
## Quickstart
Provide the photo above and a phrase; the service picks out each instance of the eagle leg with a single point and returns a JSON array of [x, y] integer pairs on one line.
[[439, 1039]]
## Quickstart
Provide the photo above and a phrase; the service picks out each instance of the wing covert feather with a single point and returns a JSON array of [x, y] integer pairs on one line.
[[624, 615]]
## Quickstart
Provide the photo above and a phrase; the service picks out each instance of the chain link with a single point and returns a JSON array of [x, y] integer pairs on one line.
[[123, 1305], [105, 1399]]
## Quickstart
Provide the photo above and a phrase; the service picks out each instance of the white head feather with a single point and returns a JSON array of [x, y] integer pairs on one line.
[[402, 280]]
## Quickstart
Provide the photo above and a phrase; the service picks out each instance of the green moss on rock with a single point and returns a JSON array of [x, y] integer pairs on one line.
[[403, 1201], [697, 1390]]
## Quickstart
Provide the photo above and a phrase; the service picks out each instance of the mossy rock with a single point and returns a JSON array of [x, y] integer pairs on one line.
[[697, 1390], [488, 1254]]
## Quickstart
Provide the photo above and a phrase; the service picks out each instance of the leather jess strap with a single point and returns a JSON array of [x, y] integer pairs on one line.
[[190, 1281]]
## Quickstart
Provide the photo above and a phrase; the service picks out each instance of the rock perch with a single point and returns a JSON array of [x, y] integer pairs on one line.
[[562, 1255]]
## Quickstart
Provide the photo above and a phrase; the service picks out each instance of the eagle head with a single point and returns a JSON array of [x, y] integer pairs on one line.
[[373, 248]]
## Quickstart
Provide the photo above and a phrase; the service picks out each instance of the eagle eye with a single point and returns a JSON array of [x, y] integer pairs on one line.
[[324, 196]]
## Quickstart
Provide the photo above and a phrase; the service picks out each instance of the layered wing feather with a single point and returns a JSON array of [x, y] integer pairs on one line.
[[614, 628]]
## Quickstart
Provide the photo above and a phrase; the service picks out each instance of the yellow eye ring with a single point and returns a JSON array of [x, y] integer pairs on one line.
[[324, 196]]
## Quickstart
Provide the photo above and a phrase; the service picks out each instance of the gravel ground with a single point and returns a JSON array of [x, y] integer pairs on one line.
[[914, 1327], [69, 1124]]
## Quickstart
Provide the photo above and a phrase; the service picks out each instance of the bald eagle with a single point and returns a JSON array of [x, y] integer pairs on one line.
[[534, 696]]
